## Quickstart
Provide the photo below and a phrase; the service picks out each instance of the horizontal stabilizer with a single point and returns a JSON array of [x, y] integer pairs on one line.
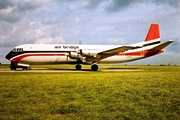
[[162, 45]]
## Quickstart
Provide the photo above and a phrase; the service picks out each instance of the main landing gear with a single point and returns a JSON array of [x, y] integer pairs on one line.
[[78, 66], [94, 67]]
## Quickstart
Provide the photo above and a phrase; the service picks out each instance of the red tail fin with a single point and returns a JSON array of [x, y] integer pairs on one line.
[[153, 32]]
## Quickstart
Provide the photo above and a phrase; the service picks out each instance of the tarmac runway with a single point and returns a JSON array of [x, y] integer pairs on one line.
[[69, 70]]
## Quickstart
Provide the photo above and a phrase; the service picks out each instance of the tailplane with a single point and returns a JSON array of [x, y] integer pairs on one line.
[[153, 33], [162, 45]]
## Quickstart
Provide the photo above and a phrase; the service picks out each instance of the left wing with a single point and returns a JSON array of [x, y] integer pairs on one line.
[[114, 51]]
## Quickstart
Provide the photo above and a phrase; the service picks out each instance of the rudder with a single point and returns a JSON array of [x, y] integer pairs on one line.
[[153, 32]]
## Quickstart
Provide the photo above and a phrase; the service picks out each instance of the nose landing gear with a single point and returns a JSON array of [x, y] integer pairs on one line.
[[14, 66]]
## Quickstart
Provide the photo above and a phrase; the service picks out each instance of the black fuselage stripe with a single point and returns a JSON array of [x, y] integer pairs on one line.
[[148, 44], [13, 54]]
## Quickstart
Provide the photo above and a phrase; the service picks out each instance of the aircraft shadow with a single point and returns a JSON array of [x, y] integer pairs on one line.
[[122, 68], [84, 69], [62, 69]]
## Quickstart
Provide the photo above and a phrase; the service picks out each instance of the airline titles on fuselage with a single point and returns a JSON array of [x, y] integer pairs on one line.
[[70, 47], [66, 47]]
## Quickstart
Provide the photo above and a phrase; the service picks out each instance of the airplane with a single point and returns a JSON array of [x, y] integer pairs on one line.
[[87, 54]]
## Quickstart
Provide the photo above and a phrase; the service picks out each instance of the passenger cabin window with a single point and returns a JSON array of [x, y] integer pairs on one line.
[[17, 50]]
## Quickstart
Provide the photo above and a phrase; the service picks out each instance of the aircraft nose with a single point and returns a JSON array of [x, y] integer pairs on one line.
[[9, 56]]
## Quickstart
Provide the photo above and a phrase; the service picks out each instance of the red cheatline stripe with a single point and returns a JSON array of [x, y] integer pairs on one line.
[[17, 59], [139, 53], [133, 54], [152, 52]]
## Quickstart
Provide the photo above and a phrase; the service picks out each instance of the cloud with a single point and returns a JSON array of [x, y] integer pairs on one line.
[[5, 3], [173, 3], [10, 14], [93, 4], [46, 40], [117, 5], [14, 10]]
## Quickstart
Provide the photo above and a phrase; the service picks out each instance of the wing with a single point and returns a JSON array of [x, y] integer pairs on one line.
[[114, 51]]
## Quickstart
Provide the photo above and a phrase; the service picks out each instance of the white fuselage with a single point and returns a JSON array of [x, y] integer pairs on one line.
[[64, 53]]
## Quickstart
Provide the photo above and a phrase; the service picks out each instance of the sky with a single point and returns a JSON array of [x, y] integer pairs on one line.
[[116, 22]]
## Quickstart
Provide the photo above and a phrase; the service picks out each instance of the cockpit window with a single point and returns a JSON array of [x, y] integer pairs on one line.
[[17, 50]]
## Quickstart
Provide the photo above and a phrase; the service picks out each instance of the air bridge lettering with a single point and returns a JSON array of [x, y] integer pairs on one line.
[[70, 47], [67, 47]]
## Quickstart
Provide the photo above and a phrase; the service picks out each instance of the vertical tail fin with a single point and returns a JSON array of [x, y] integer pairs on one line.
[[153, 33]]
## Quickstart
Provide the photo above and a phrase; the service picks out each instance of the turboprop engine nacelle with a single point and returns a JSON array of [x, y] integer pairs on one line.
[[89, 53], [75, 55]]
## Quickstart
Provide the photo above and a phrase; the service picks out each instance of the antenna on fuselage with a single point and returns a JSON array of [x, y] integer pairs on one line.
[[80, 42]]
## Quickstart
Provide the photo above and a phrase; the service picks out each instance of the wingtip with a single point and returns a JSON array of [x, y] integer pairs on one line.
[[171, 40]]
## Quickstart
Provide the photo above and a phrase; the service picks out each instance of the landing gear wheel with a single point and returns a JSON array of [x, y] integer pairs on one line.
[[14, 68], [24, 68], [94, 67], [78, 67]]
